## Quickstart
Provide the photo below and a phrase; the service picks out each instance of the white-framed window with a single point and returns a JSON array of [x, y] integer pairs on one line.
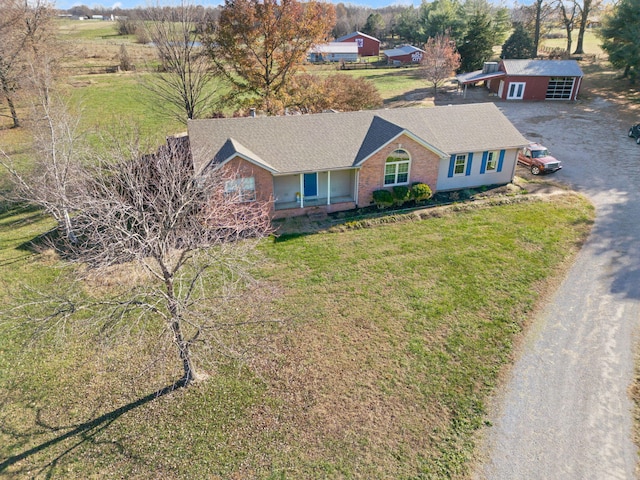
[[460, 165], [396, 168], [243, 188], [492, 161], [516, 91]]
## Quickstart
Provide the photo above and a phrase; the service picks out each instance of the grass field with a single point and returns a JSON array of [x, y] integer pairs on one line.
[[392, 338], [389, 339], [591, 43]]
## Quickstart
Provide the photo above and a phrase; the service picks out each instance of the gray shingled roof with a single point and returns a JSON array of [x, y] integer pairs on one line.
[[403, 50], [332, 141], [543, 68]]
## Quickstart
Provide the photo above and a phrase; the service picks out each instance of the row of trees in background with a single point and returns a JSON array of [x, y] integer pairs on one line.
[[257, 47], [28, 49]]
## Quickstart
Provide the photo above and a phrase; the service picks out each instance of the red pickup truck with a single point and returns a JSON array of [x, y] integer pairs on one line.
[[536, 157]]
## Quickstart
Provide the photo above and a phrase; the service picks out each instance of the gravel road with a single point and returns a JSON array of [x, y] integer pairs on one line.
[[565, 412]]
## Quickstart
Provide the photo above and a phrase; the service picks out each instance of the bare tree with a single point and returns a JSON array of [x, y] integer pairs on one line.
[[535, 18], [184, 83], [58, 149], [440, 60], [155, 211], [24, 33], [568, 15], [585, 10], [538, 8]]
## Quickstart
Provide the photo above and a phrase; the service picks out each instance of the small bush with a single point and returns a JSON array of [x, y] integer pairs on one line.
[[125, 60], [400, 194], [466, 193], [127, 26], [382, 198], [421, 192], [142, 37]]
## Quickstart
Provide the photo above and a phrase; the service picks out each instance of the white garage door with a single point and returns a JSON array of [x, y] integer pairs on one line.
[[560, 88]]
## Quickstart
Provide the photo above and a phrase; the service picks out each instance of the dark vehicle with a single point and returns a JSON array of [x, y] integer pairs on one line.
[[537, 157], [634, 132]]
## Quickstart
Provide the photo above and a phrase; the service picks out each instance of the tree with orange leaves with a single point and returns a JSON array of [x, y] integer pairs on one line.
[[258, 45], [440, 60]]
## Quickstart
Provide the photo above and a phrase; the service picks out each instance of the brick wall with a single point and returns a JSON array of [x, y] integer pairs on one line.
[[423, 168], [240, 168]]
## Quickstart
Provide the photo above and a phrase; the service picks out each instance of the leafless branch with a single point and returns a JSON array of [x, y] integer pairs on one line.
[[184, 83]]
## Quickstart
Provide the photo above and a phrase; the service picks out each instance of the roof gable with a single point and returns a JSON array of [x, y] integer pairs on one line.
[[382, 132], [356, 34], [232, 149]]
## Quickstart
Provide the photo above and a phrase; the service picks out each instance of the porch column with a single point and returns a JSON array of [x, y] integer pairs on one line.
[[329, 188], [356, 190], [302, 190]]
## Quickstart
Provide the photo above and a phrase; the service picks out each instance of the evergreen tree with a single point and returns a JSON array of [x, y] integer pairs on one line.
[[409, 28], [443, 18], [519, 45], [620, 37], [477, 45], [501, 24], [374, 26]]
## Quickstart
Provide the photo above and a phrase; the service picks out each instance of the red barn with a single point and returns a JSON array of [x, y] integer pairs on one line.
[[367, 45], [404, 55], [529, 79]]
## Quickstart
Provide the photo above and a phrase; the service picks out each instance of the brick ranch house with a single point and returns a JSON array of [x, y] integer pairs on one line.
[[528, 79], [335, 161]]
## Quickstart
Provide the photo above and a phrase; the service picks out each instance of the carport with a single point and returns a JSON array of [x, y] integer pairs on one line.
[[478, 76]]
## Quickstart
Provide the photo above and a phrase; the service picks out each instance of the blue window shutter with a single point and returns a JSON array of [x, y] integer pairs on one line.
[[452, 162], [469, 161], [483, 165], [501, 160]]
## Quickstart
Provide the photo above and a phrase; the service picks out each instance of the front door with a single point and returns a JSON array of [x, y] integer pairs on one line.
[[310, 184], [516, 91]]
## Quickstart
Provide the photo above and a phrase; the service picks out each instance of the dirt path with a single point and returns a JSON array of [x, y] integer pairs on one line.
[[565, 412]]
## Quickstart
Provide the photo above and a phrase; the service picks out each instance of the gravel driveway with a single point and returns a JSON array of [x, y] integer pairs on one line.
[[565, 412]]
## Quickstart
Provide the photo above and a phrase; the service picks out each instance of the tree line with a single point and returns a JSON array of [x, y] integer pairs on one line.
[[196, 44]]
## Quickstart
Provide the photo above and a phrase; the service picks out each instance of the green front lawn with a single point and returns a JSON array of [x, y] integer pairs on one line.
[[389, 343]]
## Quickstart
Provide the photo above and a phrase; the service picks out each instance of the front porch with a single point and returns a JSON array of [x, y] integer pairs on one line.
[[293, 209], [329, 191]]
